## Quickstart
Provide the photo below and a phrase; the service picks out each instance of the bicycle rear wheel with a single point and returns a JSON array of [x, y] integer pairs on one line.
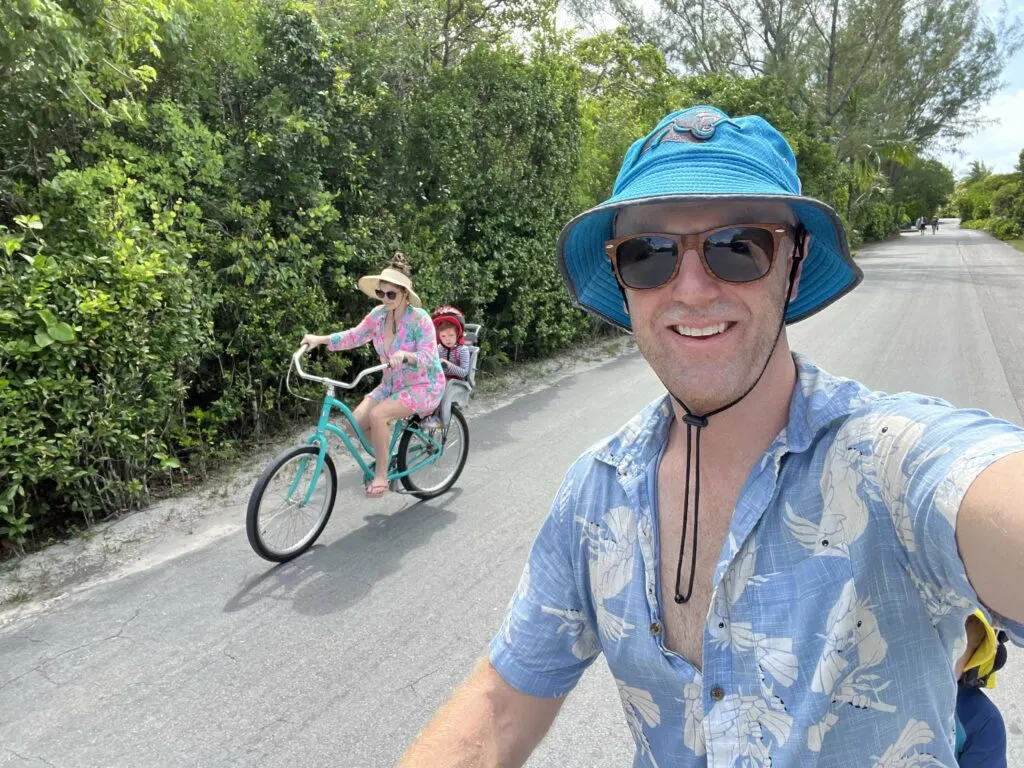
[[286, 512], [440, 475]]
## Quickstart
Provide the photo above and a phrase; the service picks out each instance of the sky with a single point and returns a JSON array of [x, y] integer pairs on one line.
[[997, 145]]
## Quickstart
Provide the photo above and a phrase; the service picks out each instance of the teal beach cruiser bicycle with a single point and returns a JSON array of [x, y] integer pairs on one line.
[[293, 499]]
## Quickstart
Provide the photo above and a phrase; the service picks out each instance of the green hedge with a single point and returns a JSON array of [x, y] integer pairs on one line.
[[992, 202], [168, 235], [997, 226]]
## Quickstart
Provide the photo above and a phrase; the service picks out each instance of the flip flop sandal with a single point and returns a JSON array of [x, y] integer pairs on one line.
[[381, 488]]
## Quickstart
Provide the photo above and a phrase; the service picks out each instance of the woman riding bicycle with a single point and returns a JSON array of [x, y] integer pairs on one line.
[[403, 336]]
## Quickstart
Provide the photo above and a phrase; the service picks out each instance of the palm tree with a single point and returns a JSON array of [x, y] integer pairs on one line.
[[978, 172]]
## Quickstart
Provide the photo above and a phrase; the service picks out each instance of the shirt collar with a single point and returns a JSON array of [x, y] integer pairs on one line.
[[818, 400]]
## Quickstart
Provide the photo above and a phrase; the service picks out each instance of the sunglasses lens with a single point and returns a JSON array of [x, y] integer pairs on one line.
[[646, 261], [740, 254]]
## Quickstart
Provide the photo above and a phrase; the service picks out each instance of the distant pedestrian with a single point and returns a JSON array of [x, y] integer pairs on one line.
[[935, 225]]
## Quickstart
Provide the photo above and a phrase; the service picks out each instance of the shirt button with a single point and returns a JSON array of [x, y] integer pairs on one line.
[[655, 628], [717, 693]]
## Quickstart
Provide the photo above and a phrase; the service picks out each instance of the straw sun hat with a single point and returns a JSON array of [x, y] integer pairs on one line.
[[369, 283]]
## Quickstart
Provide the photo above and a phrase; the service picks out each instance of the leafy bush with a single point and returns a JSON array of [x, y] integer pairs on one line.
[[997, 226], [1003, 228], [102, 330], [992, 202], [188, 187], [877, 221]]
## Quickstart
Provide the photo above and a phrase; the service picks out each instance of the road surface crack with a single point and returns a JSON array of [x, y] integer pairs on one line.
[[38, 668], [412, 686], [26, 759]]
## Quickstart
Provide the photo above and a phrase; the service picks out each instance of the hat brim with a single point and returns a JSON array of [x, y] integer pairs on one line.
[[368, 285], [829, 271]]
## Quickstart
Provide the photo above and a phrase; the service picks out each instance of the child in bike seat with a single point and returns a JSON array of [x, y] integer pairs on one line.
[[980, 733], [449, 325]]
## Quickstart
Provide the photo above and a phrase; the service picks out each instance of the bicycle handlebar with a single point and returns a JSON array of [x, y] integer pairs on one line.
[[323, 379]]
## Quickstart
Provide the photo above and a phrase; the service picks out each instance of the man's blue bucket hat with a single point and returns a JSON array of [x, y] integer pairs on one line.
[[701, 154]]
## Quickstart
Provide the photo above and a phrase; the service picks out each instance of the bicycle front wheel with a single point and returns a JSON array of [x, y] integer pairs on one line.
[[434, 478], [291, 504]]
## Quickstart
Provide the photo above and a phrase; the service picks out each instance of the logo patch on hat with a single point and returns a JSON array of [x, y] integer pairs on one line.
[[689, 127]]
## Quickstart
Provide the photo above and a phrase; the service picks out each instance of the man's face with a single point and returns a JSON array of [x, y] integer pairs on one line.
[[707, 371]]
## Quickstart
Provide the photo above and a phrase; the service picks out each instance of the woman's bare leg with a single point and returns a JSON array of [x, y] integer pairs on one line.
[[380, 435], [362, 414]]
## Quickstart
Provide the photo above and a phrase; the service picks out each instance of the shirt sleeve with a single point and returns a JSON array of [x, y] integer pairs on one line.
[[460, 369], [548, 637], [926, 456], [355, 337]]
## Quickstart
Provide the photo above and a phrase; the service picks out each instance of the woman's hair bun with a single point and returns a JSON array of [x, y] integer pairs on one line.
[[400, 264]]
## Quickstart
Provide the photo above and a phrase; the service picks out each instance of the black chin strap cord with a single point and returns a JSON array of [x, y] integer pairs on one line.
[[696, 424]]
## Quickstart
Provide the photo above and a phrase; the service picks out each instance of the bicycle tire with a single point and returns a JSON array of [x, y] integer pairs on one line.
[[409, 482], [257, 532]]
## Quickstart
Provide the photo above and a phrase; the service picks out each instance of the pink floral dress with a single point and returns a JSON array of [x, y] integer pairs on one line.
[[420, 386]]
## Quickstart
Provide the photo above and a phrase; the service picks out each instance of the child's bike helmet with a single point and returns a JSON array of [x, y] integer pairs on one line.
[[446, 314]]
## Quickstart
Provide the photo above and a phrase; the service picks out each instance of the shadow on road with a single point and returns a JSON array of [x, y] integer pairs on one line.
[[333, 578]]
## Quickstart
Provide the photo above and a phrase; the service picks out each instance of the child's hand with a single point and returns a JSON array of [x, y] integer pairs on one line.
[[445, 363]]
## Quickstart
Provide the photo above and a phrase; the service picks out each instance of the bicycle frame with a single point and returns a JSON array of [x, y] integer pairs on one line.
[[324, 427]]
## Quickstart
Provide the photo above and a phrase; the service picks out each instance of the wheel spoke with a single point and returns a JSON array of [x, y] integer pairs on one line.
[[434, 477], [286, 521]]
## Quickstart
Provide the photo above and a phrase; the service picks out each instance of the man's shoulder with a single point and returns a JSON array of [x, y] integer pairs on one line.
[[908, 426], [840, 404], [904, 408], [905, 402]]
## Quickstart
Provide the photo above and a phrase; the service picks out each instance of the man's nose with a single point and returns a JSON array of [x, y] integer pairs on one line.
[[692, 284]]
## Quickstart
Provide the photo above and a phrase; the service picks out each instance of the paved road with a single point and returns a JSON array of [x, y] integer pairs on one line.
[[214, 659]]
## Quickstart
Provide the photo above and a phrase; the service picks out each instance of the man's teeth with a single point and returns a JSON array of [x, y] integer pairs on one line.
[[710, 330]]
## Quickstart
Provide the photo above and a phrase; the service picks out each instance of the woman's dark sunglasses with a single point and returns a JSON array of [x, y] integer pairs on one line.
[[740, 253], [391, 295]]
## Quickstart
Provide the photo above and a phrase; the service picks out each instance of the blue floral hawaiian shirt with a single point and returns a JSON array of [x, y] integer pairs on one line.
[[839, 599]]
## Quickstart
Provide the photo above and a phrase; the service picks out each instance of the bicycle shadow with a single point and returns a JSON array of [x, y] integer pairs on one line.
[[332, 578]]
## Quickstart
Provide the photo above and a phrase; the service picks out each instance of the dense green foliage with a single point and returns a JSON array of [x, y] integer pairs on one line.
[[186, 186], [921, 187], [992, 202]]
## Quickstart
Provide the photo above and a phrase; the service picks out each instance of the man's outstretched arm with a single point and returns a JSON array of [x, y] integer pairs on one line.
[[486, 724], [990, 536]]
